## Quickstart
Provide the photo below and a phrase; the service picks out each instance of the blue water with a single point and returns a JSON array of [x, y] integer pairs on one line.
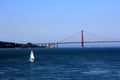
[[60, 64]]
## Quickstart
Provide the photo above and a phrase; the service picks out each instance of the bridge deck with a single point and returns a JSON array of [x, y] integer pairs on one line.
[[88, 42]]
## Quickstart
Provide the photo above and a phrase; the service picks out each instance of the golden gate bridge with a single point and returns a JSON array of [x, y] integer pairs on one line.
[[81, 42]]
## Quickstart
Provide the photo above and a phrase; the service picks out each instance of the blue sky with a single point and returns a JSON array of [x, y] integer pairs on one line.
[[53, 20]]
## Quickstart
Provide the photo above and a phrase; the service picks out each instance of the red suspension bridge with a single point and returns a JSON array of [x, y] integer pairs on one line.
[[81, 42]]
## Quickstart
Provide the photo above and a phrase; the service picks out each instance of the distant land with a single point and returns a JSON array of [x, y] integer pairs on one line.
[[17, 45]]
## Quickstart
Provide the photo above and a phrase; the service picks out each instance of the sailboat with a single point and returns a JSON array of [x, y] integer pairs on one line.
[[32, 58]]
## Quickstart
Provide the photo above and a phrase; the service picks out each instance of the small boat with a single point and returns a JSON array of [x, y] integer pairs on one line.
[[32, 58]]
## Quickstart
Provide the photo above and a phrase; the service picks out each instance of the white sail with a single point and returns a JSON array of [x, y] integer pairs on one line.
[[32, 57]]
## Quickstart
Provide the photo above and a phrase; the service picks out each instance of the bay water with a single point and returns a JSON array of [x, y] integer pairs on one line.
[[60, 64]]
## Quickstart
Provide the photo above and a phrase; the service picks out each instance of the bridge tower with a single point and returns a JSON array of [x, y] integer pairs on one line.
[[82, 39]]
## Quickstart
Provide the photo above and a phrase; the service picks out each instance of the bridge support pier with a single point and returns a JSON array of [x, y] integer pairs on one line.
[[52, 45], [56, 45]]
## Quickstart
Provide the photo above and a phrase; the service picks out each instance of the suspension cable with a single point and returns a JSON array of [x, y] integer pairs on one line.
[[70, 37]]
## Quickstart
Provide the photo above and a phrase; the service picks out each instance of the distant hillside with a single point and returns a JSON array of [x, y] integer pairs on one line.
[[16, 45]]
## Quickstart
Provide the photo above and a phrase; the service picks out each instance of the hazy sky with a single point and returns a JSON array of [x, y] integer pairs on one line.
[[53, 20]]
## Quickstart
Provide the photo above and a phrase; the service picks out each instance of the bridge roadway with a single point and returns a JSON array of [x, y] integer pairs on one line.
[[80, 42], [55, 44], [86, 42]]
